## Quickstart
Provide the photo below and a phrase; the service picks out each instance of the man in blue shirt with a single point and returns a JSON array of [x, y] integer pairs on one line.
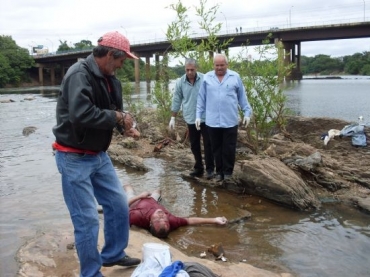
[[221, 94], [186, 92]]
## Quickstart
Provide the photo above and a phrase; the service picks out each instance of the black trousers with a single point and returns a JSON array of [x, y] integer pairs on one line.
[[223, 141], [194, 137]]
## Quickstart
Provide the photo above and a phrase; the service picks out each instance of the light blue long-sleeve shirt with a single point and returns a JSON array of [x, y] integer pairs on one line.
[[186, 94], [219, 101]]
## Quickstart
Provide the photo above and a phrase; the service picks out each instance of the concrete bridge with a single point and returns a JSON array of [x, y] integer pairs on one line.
[[291, 39]]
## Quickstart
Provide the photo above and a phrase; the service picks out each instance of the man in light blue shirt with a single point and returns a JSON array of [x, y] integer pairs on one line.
[[221, 94], [185, 95]]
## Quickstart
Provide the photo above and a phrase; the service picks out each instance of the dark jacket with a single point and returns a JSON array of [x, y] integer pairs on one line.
[[84, 113]]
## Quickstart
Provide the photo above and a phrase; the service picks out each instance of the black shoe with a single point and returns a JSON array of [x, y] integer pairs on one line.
[[219, 178], [227, 177], [210, 175], [125, 261], [196, 173]]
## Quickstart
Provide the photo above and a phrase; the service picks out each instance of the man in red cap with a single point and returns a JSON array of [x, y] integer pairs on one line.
[[89, 107]]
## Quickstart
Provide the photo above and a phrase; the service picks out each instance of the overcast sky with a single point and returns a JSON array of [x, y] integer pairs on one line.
[[46, 22]]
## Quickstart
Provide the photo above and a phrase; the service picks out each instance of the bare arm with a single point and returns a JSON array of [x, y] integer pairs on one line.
[[144, 194], [207, 220]]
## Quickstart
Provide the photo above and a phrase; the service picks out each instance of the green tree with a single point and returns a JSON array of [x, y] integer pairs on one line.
[[357, 63], [261, 78], [14, 62], [179, 35], [83, 44], [180, 30], [354, 63], [365, 70], [63, 47]]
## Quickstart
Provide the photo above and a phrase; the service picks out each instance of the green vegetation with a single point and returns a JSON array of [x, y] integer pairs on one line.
[[259, 77], [263, 79], [82, 45], [356, 64], [14, 62]]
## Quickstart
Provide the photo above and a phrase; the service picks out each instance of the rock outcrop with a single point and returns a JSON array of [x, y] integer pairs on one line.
[[296, 170]]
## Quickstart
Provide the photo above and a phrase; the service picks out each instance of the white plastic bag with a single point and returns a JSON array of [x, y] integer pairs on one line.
[[156, 257]]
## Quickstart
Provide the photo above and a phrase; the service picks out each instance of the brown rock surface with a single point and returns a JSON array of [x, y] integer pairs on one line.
[[49, 255], [337, 171], [297, 164]]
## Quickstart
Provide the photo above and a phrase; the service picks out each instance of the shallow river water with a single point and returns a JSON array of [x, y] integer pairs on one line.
[[334, 241]]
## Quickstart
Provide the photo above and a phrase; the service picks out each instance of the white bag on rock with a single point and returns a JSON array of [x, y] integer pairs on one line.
[[156, 257]]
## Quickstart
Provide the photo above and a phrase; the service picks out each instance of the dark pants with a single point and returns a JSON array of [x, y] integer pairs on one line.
[[194, 137], [223, 141]]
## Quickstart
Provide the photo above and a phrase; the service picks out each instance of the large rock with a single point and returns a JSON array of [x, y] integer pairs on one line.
[[273, 180], [122, 155], [29, 130], [52, 253]]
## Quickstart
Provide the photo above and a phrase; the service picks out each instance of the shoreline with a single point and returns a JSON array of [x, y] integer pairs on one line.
[[53, 254], [304, 77]]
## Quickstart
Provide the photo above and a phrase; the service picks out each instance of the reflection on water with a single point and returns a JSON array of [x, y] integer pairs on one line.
[[334, 241]]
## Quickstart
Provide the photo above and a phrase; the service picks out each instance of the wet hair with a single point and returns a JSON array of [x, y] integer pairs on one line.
[[101, 51], [191, 61], [162, 232]]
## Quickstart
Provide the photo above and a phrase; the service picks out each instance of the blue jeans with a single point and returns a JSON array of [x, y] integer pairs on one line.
[[84, 179]]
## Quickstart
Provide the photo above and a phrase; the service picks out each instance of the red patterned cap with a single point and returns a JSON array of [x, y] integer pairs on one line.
[[117, 41]]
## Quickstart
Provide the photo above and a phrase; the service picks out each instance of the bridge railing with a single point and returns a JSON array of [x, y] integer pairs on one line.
[[262, 29], [228, 32]]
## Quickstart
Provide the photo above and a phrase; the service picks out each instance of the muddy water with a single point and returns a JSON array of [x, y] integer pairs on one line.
[[334, 241]]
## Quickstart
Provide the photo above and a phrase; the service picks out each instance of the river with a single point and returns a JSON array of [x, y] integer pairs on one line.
[[334, 241]]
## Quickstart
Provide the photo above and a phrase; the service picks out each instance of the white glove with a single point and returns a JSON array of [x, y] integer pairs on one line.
[[246, 121], [197, 123], [221, 220], [171, 126]]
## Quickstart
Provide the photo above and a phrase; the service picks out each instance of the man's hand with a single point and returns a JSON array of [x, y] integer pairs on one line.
[[171, 125], [221, 220], [128, 121], [120, 118], [133, 133], [197, 124], [145, 194], [246, 121], [125, 119]]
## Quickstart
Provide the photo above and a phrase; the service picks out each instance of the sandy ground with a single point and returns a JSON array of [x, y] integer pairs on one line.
[[52, 254]]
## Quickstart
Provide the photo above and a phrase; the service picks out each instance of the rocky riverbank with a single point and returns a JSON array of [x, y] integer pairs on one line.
[[297, 170], [53, 254]]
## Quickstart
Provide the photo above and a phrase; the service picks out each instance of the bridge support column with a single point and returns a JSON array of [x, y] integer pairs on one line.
[[297, 73], [147, 74], [288, 56], [52, 76], [137, 70], [41, 75], [64, 69], [165, 69], [157, 68]]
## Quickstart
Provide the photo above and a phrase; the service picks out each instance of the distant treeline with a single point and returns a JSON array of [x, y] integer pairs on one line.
[[356, 64], [16, 64]]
